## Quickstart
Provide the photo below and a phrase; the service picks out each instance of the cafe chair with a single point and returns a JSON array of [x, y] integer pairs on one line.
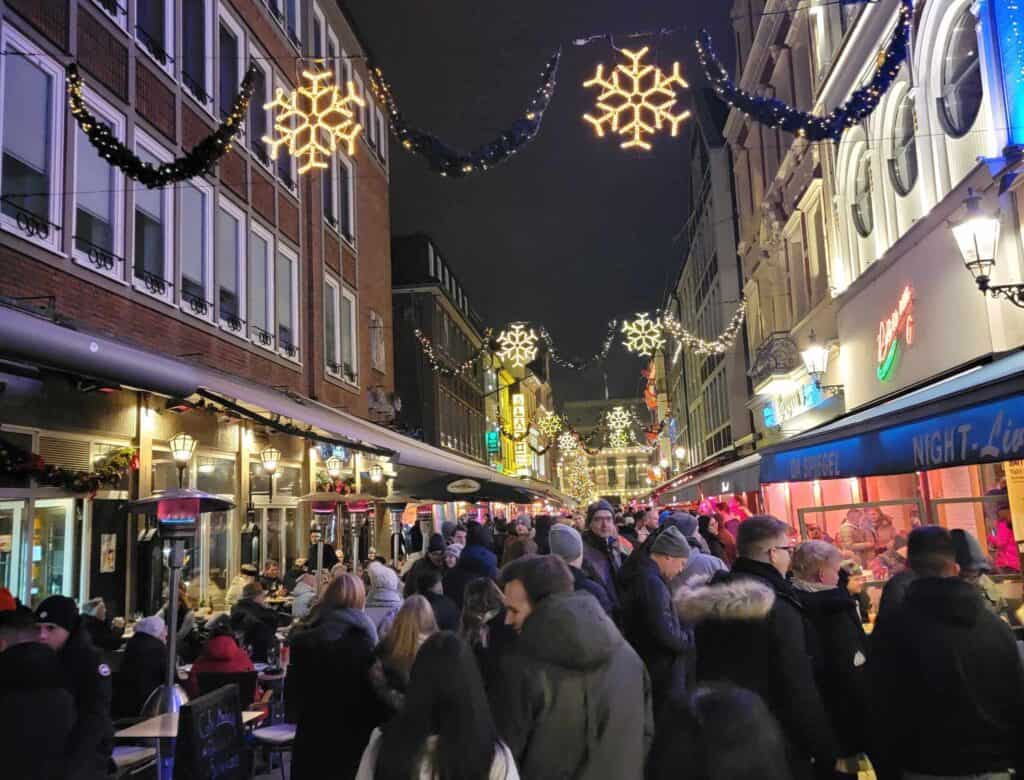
[[246, 682], [277, 739], [134, 761]]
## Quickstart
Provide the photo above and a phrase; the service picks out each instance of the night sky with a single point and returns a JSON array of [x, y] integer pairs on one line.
[[573, 230]]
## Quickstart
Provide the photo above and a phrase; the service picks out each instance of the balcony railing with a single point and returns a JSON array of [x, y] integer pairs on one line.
[[154, 48], [264, 337], [196, 88], [233, 321], [197, 303], [289, 349], [29, 223], [154, 283], [101, 257]]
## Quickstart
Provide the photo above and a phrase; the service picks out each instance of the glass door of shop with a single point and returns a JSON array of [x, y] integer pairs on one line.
[[52, 550], [281, 538], [12, 518]]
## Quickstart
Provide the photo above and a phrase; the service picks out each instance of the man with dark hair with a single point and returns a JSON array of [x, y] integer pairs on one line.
[[84, 675], [946, 679], [927, 547], [574, 699], [476, 560], [750, 630], [459, 534], [428, 585], [432, 561], [256, 622], [651, 623]]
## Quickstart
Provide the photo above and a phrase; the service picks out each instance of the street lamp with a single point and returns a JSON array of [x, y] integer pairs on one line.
[[977, 236], [376, 472], [182, 446], [664, 463], [334, 466], [270, 457], [815, 359], [680, 453]]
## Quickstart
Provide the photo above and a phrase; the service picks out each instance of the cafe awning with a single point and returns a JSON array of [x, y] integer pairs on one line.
[[741, 476]]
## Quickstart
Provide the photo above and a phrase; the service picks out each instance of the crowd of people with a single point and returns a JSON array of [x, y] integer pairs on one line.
[[655, 647]]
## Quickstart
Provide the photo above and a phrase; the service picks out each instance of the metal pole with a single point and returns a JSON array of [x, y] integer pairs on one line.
[[176, 561]]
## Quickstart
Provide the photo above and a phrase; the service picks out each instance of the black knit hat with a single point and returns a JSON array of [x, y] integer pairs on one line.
[[599, 506], [59, 610], [436, 544]]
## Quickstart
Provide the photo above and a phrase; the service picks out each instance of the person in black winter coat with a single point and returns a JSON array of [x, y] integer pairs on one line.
[[428, 585], [256, 622], [94, 621], [843, 646], [946, 680], [144, 668], [708, 528], [566, 542], [651, 623], [433, 560], [87, 678], [36, 712], [751, 631], [602, 557], [328, 690], [477, 560]]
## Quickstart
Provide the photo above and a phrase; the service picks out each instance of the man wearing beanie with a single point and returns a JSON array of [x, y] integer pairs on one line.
[[602, 557], [87, 679], [650, 621], [701, 565], [566, 542], [432, 561]]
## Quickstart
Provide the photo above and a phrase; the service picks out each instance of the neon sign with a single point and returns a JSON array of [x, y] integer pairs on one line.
[[900, 323], [519, 429]]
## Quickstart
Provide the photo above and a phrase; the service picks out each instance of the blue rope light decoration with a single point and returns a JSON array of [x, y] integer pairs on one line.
[[453, 162], [775, 113]]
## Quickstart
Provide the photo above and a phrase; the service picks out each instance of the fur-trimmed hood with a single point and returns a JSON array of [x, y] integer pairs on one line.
[[734, 599]]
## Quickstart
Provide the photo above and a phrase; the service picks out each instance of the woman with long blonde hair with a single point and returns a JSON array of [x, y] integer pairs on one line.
[[413, 625]]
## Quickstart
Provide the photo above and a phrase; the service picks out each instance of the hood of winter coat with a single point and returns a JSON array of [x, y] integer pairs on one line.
[[740, 598], [570, 630], [383, 578], [29, 666], [221, 648], [302, 588], [478, 560], [946, 599], [336, 623], [826, 602]]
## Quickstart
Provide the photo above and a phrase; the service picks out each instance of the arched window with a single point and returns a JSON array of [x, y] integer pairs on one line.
[[903, 167], [862, 206], [962, 90]]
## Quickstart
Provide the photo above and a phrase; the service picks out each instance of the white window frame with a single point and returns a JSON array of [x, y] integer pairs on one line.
[[120, 15], [291, 254], [318, 15], [298, 21], [383, 135], [241, 266], [223, 17], [169, 24], [377, 326], [208, 66], [335, 285], [361, 91], [294, 188], [335, 205], [11, 38], [271, 300], [104, 110], [145, 141], [347, 294], [200, 184], [350, 166], [257, 58], [336, 63]]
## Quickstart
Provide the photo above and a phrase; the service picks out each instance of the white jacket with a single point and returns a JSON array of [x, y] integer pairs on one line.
[[502, 768]]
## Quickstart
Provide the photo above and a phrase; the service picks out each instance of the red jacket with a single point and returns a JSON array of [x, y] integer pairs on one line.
[[220, 654]]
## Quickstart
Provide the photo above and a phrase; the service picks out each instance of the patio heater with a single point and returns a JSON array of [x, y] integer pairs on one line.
[[325, 504], [177, 512]]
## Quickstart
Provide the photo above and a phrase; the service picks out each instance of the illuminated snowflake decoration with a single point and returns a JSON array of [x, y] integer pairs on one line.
[[643, 336], [314, 119], [549, 423], [618, 440], [568, 442], [636, 100], [518, 345], [618, 419]]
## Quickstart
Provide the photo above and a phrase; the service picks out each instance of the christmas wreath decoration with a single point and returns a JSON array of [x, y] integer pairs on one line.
[[199, 160], [16, 462], [775, 113]]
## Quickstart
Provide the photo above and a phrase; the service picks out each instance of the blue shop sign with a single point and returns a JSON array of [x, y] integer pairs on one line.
[[988, 433]]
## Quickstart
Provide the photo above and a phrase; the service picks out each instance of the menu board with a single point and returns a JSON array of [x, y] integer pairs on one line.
[[210, 744]]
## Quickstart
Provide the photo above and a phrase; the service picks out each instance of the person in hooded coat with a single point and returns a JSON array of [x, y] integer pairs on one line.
[[327, 690], [841, 672], [946, 679], [707, 526], [36, 712], [432, 561], [476, 560], [220, 654], [701, 565], [384, 598], [751, 630], [144, 668], [651, 624], [304, 595], [574, 699]]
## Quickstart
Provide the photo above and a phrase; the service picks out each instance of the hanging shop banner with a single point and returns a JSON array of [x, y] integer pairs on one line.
[[1014, 471], [987, 433]]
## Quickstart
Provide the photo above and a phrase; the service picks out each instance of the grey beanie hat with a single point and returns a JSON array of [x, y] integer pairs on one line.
[[565, 542], [685, 522], [671, 542]]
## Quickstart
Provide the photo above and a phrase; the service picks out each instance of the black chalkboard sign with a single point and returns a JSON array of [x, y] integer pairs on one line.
[[210, 744]]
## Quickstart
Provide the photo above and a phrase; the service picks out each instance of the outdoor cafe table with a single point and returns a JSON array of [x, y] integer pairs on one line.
[[166, 726]]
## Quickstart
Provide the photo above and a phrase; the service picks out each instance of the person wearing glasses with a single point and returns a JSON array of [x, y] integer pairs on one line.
[[751, 631]]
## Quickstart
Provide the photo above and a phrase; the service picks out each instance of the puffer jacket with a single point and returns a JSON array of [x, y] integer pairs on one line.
[[751, 631], [304, 598], [219, 654], [602, 560], [476, 561], [574, 699], [385, 597]]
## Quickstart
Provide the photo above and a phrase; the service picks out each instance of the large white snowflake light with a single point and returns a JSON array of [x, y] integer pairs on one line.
[[643, 336], [618, 419], [314, 119], [636, 100], [568, 442], [518, 345], [549, 423]]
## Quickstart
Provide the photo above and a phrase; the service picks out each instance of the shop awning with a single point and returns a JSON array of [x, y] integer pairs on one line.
[[974, 416], [741, 476], [46, 343]]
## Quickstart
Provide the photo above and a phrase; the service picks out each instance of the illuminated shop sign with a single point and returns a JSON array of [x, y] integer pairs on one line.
[[898, 325], [791, 405], [1008, 23], [522, 454], [988, 433], [493, 441]]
